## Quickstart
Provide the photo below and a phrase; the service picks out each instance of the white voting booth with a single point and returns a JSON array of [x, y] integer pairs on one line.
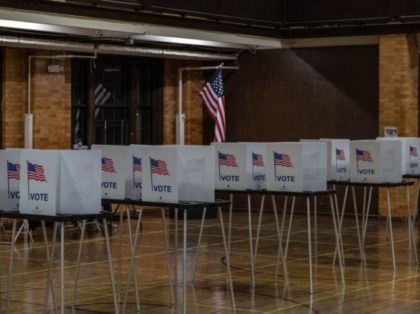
[[240, 166], [9, 179], [116, 170], [375, 161], [296, 167], [410, 153], [135, 169], [178, 173], [60, 182]]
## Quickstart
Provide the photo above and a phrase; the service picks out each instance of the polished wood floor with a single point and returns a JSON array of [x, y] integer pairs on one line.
[[370, 288]]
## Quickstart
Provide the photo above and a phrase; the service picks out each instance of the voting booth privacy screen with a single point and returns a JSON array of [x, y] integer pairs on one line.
[[59, 182], [116, 172], [410, 150], [338, 159], [296, 167], [178, 173], [135, 169], [9, 179], [375, 161]]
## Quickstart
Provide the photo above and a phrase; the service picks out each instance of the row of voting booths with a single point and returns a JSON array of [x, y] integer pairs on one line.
[[69, 182]]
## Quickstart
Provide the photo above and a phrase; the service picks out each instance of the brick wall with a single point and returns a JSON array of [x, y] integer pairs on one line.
[[193, 109], [50, 105], [398, 98]]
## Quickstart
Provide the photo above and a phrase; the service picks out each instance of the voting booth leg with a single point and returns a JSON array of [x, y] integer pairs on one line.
[[279, 236], [257, 239], [251, 250], [340, 224], [10, 273], [194, 268], [111, 270], [337, 236], [168, 260], [3, 229], [133, 269], [120, 252], [222, 227], [25, 230], [388, 201], [416, 203], [184, 266], [315, 229], [292, 210], [176, 258], [230, 221], [366, 209], [79, 255], [356, 217], [308, 217], [49, 276], [410, 221], [49, 273]]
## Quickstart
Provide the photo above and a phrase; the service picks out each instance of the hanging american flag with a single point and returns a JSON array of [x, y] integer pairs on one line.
[[213, 97], [339, 153], [257, 160], [13, 171], [136, 164], [363, 155], [282, 160], [107, 165], [413, 151], [159, 167], [36, 172], [227, 160]]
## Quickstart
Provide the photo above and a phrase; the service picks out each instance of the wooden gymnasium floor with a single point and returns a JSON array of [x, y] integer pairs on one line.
[[371, 289]]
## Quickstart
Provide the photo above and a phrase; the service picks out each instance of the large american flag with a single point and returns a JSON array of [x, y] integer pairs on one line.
[[257, 160], [36, 172], [339, 153], [363, 155], [159, 167], [413, 151], [227, 160], [213, 97], [282, 160], [136, 164], [13, 171], [107, 165]]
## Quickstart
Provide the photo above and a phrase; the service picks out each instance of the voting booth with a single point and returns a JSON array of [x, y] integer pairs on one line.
[[296, 167], [410, 150], [115, 165], [178, 173], [59, 182], [240, 166], [375, 161], [9, 179], [135, 168], [338, 159]]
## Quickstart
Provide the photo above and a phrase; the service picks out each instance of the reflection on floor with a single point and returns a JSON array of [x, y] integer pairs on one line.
[[369, 289]]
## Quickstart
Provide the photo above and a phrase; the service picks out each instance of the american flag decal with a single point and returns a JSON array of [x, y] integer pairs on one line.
[[227, 160], [13, 171], [257, 160], [363, 155], [136, 164], [107, 165], [339, 154], [282, 160], [36, 172], [413, 151], [159, 167]]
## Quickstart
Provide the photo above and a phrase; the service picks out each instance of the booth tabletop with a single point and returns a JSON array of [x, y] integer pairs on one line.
[[57, 218], [368, 184], [411, 176], [280, 193], [180, 204]]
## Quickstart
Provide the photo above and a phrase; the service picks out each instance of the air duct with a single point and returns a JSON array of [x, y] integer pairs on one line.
[[24, 42]]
